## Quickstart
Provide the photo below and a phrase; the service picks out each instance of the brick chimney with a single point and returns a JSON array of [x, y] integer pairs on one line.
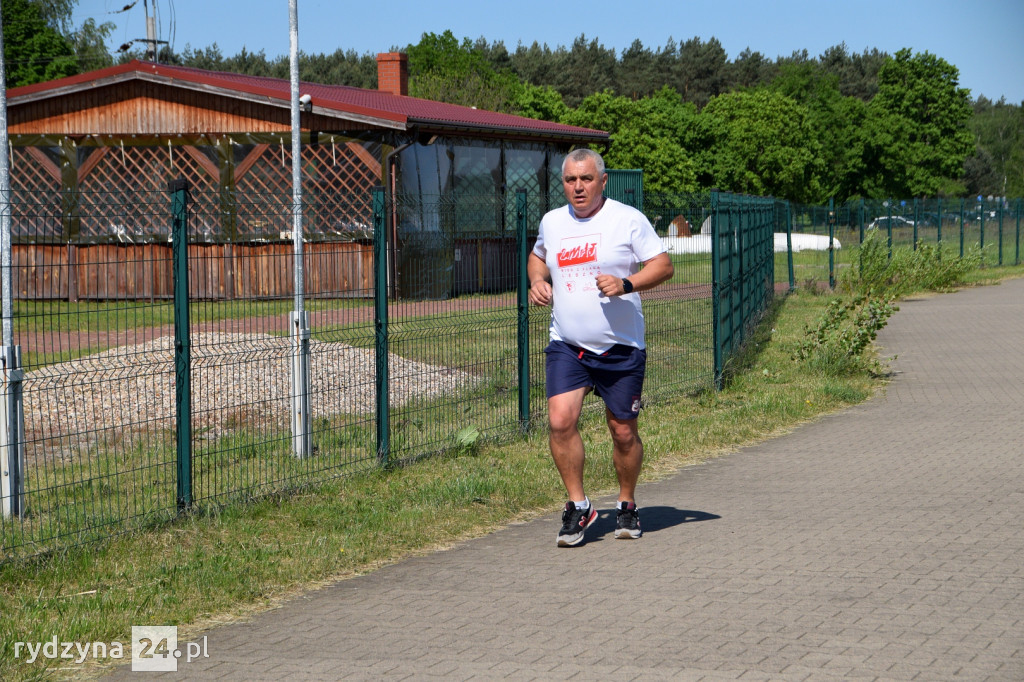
[[393, 73]]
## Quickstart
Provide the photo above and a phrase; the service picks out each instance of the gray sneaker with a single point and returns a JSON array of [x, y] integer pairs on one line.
[[627, 521], [574, 522]]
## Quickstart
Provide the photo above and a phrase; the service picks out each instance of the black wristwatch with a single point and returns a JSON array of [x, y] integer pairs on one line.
[[627, 286]]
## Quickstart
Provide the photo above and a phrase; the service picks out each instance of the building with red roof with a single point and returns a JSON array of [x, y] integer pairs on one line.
[[136, 126], [139, 124]]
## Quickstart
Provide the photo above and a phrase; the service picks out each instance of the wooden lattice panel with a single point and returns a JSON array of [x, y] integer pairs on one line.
[[204, 179], [336, 183], [35, 194], [263, 190], [140, 212]]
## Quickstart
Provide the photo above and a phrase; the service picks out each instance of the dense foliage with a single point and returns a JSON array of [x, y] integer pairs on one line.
[[34, 50], [840, 125]]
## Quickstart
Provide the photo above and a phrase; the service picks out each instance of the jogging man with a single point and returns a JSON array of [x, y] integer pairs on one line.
[[586, 265]]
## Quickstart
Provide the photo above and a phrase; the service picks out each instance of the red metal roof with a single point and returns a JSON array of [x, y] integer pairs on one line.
[[388, 110]]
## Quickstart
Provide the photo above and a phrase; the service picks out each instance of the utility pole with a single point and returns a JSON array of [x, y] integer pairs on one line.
[[12, 412], [150, 40], [301, 416]]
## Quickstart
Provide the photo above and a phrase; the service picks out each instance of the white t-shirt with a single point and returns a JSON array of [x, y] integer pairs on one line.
[[614, 241]]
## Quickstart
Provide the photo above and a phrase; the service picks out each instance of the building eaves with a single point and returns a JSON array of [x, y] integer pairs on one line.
[[345, 103]]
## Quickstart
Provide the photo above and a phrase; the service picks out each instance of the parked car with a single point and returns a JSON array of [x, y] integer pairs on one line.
[[883, 222]]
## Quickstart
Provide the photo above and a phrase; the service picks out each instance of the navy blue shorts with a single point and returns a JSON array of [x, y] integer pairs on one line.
[[617, 375]]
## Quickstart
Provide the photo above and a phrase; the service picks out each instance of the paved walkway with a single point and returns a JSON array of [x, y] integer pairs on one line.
[[884, 542]]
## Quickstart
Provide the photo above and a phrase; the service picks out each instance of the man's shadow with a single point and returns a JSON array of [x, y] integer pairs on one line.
[[652, 519]]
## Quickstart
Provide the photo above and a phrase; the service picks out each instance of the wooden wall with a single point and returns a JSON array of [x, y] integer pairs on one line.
[[216, 271], [144, 108]]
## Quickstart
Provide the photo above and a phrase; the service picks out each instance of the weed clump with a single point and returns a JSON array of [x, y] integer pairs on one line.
[[884, 273], [840, 343]]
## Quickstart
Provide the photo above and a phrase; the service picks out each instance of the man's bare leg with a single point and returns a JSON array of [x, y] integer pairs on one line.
[[627, 454], [565, 440]]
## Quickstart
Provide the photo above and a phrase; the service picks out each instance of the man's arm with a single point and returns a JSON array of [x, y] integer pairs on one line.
[[540, 280], [655, 271]]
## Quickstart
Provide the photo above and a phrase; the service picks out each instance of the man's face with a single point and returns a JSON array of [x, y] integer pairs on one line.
[[583, 187]]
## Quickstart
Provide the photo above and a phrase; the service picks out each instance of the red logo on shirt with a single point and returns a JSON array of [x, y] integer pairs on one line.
[[577, 251]]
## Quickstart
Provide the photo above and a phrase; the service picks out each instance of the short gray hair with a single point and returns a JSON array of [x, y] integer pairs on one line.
[[584, 154]]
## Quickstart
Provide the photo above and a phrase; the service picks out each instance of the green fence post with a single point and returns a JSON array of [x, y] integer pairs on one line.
[[938, 221], [917, 220], [716, 292], [860, 221], [380, 322], [962, 217], [738, 298], [742, 222], [523, 310], [981, 236], [831, 243], [182, 340], [888, 216], [999, 209], [1017, 256], [789, 246]]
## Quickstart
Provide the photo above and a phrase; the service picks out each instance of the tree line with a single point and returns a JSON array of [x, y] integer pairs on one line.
[[805, 128]]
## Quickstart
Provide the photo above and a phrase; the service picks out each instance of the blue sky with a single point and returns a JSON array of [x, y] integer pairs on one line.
[[983, 38]]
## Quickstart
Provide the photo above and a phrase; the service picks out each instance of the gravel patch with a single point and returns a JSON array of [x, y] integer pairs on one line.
[[237, 379]]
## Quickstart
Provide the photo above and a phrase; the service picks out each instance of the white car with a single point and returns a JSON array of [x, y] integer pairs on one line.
[[883, 222]]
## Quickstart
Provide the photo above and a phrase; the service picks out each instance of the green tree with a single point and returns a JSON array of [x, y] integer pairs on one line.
[[496, 54], [837, 123], [541, 103], [586, 68], [857, 73], [648, 133], [257, 64], [535, 64], [760, 142], [701, 70], [981, 176], [209, 58], [926, 114], [997, 167], [443, 69], [343, 67], [89, 43], [637, 75], [750, 70], [57, 14], [34, 51]]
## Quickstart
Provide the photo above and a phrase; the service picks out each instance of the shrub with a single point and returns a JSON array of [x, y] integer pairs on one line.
[[878, 273], [839, 345]]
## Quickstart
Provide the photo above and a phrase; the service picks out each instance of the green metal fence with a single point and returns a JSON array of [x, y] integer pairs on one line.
[[679, 313], [158, 360], [743, 269], [955, 226]]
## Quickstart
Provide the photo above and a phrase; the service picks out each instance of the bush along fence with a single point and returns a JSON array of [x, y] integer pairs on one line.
[[164, 367]]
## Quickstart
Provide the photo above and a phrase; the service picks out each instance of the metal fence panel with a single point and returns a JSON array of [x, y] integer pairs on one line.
[[418, 339]]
